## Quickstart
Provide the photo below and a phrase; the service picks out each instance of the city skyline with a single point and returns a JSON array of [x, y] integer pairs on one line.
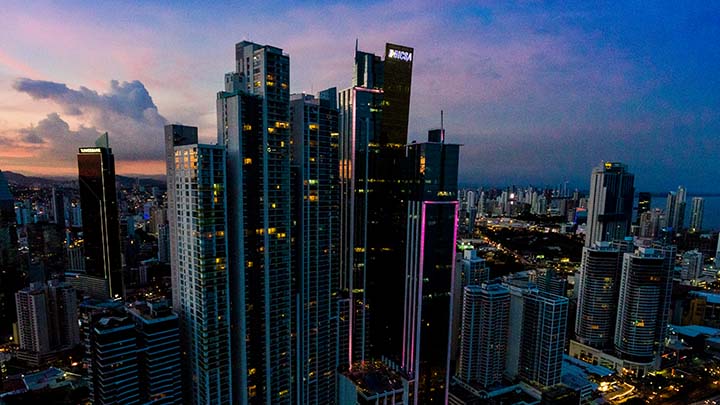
[[551, 89]]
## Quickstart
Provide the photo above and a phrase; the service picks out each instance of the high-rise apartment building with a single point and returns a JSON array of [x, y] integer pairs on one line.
[[62, 315], [543, 337], [675, 209], [536, 338], [432, 213], [610, 204], [484, 334], [254, 125], [175, 135], [33, 319], [158, 340], [113, 361], [597, 292], [101, 227], [644, 204], [316, 198], [643, 305], [199, 206], [692, 265], [373, 133], [697, 213]]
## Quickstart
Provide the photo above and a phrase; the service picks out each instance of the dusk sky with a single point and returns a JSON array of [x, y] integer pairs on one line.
[[538, 92]]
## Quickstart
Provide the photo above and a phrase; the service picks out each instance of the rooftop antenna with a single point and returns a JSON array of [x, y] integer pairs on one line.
[[442, 127], [356, 45]]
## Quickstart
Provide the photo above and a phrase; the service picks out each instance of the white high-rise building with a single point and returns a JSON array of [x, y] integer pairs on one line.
[[199, 210], [484, 334], [32, 314], [696, 216]]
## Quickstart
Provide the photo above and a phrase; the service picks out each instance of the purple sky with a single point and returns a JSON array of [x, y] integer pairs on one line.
[[538, 92]]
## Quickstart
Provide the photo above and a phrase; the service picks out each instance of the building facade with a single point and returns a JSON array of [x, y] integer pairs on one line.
[[597, 294], [254, 125], [484, 334], [610, 205], [199, 205], [316, 198], [373, 133]]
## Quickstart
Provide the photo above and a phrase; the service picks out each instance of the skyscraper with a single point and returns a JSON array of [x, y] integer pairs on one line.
[[610, 204], [485, 323], [199, 207], [10, 276], [254, 125], [158, 339], [113, 361], [101, 228], [597, 293], [543, 337], [675, 209], [33, 319], [643, 305], [696, 217], [373, 133], [432, 214], [644, 204], [316, 198], [58, 207], [536, 338], [62, 315], [175, 135]]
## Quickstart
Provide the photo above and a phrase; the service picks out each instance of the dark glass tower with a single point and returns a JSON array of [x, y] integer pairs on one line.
[[432, 211], [254, 125], [101, 230], [373, 134], [610, 204], [316, 234], [11, 279], [644, 204]]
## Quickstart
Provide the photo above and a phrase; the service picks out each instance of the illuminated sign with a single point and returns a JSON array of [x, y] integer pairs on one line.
[[90, 150], [404, 56]]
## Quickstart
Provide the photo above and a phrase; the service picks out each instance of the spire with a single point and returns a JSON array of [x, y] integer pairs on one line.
[[103, 141]]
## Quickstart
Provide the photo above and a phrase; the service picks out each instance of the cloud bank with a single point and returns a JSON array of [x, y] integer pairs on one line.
[[127, 112]]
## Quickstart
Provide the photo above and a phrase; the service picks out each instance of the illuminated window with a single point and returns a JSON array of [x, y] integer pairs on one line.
[[313, 127], [247, 127], [247, 161]]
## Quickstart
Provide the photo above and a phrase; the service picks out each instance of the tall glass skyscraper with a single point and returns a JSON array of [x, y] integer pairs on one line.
[[101, 228], [254, 125], [199, 204], [432, 211], [316, 235], [10, 275], [373, 133], [610, 204]]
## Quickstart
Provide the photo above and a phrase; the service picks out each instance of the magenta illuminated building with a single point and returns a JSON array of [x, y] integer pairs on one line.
[[432, 213]]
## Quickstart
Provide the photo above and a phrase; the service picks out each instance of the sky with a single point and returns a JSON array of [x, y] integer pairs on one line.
[[538, 92]]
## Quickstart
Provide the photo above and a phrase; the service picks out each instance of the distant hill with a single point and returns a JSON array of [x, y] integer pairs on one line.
[[27, 181], [124, 181]]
